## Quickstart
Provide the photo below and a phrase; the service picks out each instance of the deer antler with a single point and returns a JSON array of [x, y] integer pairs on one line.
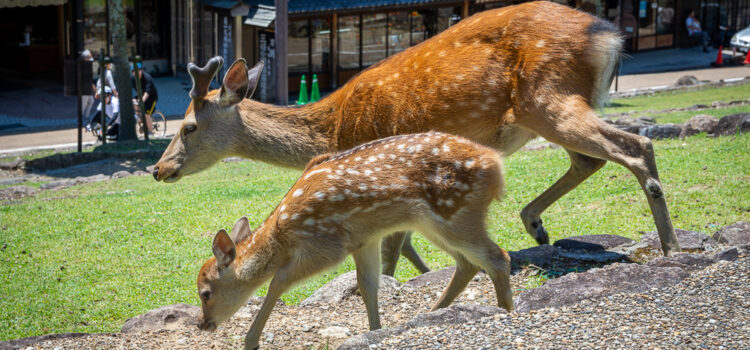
[[202, 76]]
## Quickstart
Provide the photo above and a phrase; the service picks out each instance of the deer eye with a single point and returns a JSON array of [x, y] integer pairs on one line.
[[205, 295], [188, 128]]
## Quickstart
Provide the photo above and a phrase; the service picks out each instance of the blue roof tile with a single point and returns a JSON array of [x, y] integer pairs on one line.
[[299, 7]]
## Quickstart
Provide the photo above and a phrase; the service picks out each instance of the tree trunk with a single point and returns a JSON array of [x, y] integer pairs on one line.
[[122, 70]]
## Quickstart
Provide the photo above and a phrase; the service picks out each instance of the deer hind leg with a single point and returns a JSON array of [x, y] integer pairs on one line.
[[581, 167], [576, 127], [367, 260], [465, 271], [400, 242]]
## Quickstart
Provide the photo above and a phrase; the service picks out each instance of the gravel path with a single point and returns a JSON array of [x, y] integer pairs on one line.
[[709, 309]]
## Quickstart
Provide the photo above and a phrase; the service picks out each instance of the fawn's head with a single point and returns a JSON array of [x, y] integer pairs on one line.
[[221, 289], [209, 130]]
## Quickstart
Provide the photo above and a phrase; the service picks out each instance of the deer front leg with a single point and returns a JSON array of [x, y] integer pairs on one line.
[[280, 284], [408, 251], [390, 251], [367, 260], [581, 167]]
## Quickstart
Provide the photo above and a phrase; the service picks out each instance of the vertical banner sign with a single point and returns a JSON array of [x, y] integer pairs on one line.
[[266, 90], [642, 9], [227, 50]]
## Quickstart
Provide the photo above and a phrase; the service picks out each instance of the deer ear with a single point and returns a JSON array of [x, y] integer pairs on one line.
[[254, 76], [223, 249], [236, 84], [241, 230]]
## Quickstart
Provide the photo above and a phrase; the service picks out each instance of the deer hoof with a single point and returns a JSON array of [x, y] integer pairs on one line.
[[541, 235]]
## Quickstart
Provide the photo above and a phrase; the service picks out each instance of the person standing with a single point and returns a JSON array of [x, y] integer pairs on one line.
[[150, 94], [108, 79], [87, 101]]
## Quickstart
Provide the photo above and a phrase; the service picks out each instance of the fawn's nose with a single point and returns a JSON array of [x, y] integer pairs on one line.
[[155, 173]]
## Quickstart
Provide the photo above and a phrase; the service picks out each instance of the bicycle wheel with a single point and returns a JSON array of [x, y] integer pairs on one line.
[[159, 123]]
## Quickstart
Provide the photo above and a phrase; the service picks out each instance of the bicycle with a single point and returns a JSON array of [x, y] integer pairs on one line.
[[159, 123]]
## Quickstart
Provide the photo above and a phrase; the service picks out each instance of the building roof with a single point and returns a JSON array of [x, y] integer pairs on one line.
[[303, 7]]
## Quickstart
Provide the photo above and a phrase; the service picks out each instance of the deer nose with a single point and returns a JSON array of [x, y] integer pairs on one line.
[[155, 172]]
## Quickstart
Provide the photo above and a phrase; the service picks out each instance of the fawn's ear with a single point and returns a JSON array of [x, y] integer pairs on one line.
[[241, 230], [254, 76], [223, 249], [236, 84]]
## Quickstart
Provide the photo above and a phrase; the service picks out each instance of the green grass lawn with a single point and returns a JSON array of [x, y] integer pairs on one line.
[[677, 99], [82, 260]]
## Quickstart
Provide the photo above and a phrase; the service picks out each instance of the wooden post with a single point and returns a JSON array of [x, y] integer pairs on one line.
[[79, 84], [237, 37], [281, 30], [465, 10], [103, 96]]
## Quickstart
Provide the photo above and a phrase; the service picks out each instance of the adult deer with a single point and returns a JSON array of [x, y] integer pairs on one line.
[[438, 184], [500, 78]]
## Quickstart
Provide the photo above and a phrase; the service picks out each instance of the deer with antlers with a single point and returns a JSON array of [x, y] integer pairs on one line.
[[438, 184], [500, 78]]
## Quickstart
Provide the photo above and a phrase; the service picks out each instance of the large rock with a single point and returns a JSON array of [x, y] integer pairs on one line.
[[688, 240], [57, 184], [687, 261], [167, 317], [16, 192], [591, 243], [27, 342], [430, 278], [698, 124], [733, 253], [661, 131], [612, 279], [731, 124], [542, 255], [454, 314], [12, 165], [687, 80], [734, 234], [345, 286]]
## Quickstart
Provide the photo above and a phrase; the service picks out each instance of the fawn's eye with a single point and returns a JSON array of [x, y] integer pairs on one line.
[[205, 295], [188, 128]]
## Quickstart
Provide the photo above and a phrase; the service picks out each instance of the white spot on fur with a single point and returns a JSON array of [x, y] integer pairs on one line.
[[284, 216], [298, 192], [470, 163], [362, 187], [446, 149], [368, 172], [540, 43], [435, 151], [282, 208], [320, 195], [372, 159], [316, 171]]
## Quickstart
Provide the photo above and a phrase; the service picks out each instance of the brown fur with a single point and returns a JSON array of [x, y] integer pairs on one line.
[[345, 203], [499, 78]]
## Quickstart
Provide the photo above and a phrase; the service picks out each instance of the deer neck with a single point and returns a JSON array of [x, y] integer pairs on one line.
[[285, 136], [260, 256]]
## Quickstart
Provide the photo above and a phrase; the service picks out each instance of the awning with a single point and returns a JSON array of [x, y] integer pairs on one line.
[[307, 7], [261, 16], [25, 3], [235, 7]]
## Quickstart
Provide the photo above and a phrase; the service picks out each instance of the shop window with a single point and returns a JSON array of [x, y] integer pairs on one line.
[[298, 46], [95, 26], [398, 32], [348, 42], [421, 23], [373, 38], [153, 36], [321, 44], [447, 16]]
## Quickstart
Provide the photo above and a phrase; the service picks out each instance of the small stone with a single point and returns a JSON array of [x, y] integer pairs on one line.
[[334, 332]]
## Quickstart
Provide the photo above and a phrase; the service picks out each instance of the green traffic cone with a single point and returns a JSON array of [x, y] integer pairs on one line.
[[315, 94], [302, 92]]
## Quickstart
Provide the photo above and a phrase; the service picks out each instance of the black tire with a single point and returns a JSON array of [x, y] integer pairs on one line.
[[159, 123]]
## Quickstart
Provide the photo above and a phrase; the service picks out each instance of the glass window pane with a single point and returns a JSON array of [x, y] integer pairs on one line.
[[348, 46], [421, 23], [398, 32], [298, 46], [373, 38], [95, 26], [447, 16], [665, 17], [321, 45], [152, 35]]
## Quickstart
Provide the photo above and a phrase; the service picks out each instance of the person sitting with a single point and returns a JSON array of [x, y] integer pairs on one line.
[[112, 112], [150, 95], [694, 30]]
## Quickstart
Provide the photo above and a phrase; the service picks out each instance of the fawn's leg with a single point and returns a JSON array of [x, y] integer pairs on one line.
[[581, 167], [392, 245], [279, 284], [572, 124], [465, 271], [408, 251], [367, 260]]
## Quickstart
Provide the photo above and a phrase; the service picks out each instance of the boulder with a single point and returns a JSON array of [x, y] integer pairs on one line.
[[687, 80], [612, 279], [591, 243], [17, 192], [688, 240], [454, 314], [12, 181], [345, 286], [734, 234], [167, 317], [90, 179], [627, 121], [731, 124], [28, 342], [12, 165], [121, 174], [542, 255], [686, 261], [698, 124], [57, 184], [431, 278], [733, 253], [601, 257], [661, 131], [644, 119]]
